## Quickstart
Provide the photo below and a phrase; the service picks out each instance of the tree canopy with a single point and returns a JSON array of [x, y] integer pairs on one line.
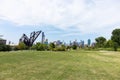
[[116, 36], [100, 41]]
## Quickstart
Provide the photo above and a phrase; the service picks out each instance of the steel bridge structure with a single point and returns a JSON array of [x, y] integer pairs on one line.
[[28, 41]]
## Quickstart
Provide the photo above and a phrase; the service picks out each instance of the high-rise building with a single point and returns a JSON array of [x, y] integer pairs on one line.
[[2, 41], [46, 42], [89, 42], [43, 37], [82, 44]]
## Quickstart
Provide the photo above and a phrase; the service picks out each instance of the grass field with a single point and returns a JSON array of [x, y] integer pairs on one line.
[[70, 65]]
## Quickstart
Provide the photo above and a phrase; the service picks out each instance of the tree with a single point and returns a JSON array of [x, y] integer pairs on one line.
[[61, 48], [116, 36], [40, 47], [22, 46], [115, 46], [33, 47], [68, 47], [109, 44], [51, 46], [100, 41], [74, 47], [5, 47]]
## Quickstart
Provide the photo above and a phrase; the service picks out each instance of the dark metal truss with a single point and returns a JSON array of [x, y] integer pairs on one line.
[[29, 41]]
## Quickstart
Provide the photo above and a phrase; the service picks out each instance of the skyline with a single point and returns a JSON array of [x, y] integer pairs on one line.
[[60, 20]]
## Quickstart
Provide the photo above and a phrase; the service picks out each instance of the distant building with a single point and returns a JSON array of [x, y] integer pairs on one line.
[[93, 44], [46, 41], [2, 41], [89, 42], [70, 43], [82, 44], [43, 38], [58, 42]]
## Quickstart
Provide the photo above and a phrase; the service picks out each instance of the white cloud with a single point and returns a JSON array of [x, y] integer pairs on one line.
[[72, 34], [88, 16]]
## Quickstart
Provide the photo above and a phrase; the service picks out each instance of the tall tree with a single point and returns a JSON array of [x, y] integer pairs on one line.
[[100, 41], [109, 44], [22, 46], [116, 36], [51, 46]]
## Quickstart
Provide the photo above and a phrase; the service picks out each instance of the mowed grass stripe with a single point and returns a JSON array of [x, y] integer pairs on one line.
[[48, 65]]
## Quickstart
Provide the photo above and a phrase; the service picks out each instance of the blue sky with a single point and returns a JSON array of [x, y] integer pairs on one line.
[[59, 19]]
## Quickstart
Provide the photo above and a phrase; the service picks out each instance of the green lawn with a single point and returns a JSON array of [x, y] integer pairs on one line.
[[70, 65]]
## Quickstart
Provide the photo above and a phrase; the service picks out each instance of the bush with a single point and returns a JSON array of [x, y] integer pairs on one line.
[[74, 47], [21, 46], [109, 44], [59, 49], [16, 48], [100, 41], [40, 47], [115, 46], [8, 48], [52, 46], [33, 47], [68, 47], [5, 48]]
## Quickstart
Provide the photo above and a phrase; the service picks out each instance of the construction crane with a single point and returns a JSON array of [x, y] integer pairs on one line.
[[29, 41]]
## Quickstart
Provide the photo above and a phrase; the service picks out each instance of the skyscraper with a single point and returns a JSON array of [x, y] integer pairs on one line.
[[43, 37]]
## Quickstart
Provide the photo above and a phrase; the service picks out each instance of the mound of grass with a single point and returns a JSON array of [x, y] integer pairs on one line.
[[70, 65]]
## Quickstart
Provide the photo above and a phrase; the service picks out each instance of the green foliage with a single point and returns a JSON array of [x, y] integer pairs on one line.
[[8, 48], [100, 41], [52, 46], [116, 36], [60, 48], [21, 46], [109, 44], [68, 47], [5, 48], [74, 47], [89, 48], [50, 65], [33, 47], [115, 46], [41, 47], [15, 48], [63, 46]]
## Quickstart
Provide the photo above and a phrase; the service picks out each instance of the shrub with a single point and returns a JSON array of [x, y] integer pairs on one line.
[[100, 41], [52, 46], [109, 44], [68, 47], [15, 48], [59, 49], [40, 47], [115, 46], [5, 48], [33, 47], [8, 48], [74, 47], [21, 46]]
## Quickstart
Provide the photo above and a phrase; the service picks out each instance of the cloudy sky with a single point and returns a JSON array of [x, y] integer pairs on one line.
[[59, 19]]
